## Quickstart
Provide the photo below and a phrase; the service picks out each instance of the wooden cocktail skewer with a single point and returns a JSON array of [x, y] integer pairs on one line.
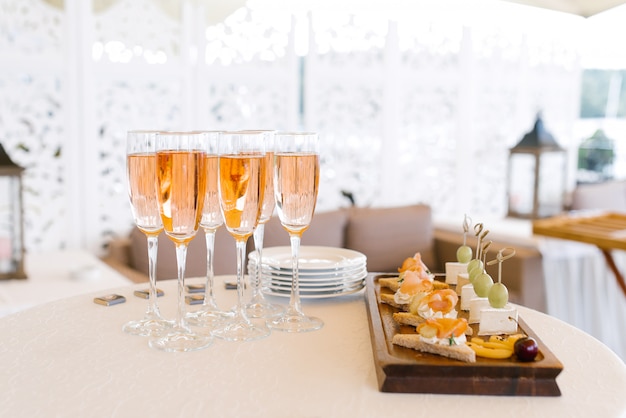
[[464, 252], [501, 257], [498, 293], [483, 251], [481, 238], [467, 221], [478, 228]]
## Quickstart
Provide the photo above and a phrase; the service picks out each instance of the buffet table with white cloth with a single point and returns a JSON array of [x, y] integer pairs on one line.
[[70, 358]]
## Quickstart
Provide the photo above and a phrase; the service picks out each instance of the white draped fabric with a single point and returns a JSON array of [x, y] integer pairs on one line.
[[582, 291]]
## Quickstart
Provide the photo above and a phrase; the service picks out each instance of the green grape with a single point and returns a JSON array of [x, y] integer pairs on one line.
[[474, 264], [482, 284], [475, 272], [464, 254], [498, 295]]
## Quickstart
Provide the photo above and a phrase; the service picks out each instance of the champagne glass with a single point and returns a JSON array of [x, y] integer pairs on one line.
[[241, 187], [259, 307], [181, 186], [296, 180], [141, 176], [209, 315]]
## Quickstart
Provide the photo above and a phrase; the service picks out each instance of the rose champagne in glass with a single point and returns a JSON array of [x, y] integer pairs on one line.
[[296, 182], [241, 188], [181, 186], [209, 315], [259, 307], [141, 176]]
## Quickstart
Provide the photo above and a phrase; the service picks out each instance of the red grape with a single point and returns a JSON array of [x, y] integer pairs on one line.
[[526, 349]]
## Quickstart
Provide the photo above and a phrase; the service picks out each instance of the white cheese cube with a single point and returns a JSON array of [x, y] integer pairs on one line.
[[453, 269], [476, 306], [467, 294], [461, 280], [498, 320]]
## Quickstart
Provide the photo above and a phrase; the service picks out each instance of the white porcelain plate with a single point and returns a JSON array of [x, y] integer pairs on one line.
[[314, 282], [311, 258], [308, 277], [316, 295]]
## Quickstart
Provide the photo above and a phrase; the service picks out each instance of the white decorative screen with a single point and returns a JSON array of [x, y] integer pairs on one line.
[[34, 117], [415, 105]]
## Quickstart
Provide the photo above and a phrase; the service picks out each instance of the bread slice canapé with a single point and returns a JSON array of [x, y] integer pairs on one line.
[[458, 352]]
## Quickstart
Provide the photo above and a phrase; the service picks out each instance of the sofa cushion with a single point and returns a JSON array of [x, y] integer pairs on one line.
[[389, 235], [609, 196], [224, 262], [327, 229]]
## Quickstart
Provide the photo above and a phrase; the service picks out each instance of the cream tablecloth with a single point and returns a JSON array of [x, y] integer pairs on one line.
[[70, 358]]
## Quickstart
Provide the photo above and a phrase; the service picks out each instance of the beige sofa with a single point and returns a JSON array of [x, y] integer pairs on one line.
[[608, 196], [385, 235]]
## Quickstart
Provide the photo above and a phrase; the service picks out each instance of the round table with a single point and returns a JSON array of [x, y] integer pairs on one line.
[[70, 358]]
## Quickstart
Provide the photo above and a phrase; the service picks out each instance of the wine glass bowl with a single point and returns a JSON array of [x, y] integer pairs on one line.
[[241, 188], [181, 187], [296, 181], [142, 191]]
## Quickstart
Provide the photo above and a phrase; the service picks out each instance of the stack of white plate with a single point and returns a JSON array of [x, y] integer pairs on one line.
[[323, 271]]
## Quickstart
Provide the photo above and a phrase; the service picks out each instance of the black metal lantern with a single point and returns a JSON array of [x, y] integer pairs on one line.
[[537, 174], [11, 219]]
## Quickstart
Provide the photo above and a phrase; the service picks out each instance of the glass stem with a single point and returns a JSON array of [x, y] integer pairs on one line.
[[209, 297], [181, 259], [259, 232], [153, 247], [241, 259], [294, 301]]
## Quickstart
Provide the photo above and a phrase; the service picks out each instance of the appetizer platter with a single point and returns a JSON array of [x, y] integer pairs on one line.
[[401, 369], [425, 340]]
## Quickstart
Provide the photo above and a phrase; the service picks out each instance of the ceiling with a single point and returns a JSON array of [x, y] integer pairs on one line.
[[583, 8], [218, 10]]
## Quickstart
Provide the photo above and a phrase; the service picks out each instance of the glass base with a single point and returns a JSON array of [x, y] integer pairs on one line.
[[296, 323], [242, 330], [148, 327], [264, 310], [181, 340], [208, 318]]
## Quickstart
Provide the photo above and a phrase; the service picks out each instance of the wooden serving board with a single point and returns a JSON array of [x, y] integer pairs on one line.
[[401, 369]]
